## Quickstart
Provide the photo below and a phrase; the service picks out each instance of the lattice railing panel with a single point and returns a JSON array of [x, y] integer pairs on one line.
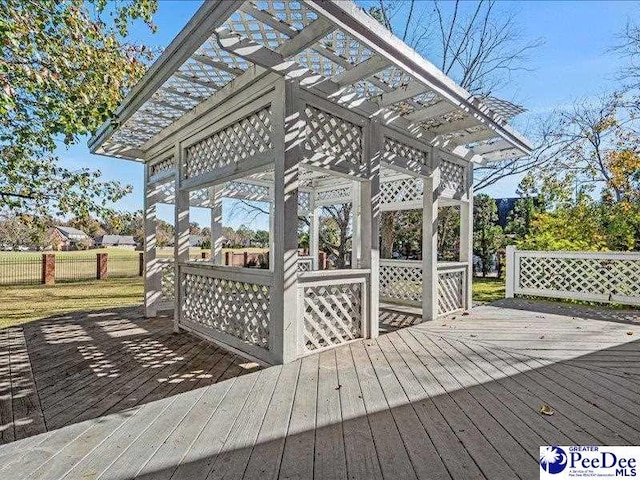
[[451, 295], [167, 280], [233, 144], [305, 264], [581, 276], [162, 166], [333, 136], [401, 282], [401, 191], [304, 203], [332, 314], [237, 308], [393, 148], [452, 178]]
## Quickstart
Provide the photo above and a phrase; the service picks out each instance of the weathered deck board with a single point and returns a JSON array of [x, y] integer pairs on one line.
[[457, 398]]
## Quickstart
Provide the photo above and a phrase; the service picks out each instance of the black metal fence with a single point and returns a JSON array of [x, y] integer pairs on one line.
[[25, 268], [20, 269]]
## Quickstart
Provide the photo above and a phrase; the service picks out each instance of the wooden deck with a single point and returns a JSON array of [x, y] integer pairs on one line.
[[457, 398]]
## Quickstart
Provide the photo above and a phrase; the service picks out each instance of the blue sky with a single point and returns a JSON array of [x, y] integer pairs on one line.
[[572, 63]]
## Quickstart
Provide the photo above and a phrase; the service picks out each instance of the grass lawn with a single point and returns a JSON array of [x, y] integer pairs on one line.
[[26, 303], [488, 289]]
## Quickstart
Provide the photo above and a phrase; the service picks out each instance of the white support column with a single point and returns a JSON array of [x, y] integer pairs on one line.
[[271, 227], [181, 241], [356, 233], [216, 224], [288, 134], [510, 279], [314, 231], [430, 204], [152, 272], [466, 235], [369, 200]]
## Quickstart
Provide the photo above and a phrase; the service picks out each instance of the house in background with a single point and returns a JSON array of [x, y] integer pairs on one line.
[[126, 242], [69, 238]]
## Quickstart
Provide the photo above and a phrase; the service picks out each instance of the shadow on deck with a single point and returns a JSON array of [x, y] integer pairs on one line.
[[458, 398], [66, 369]]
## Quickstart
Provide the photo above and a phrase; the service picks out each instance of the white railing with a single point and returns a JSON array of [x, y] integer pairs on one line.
[[332, 308], [227, 304], [305, 263], [401, 282], [610, 277], [452, 287], [167, 283]]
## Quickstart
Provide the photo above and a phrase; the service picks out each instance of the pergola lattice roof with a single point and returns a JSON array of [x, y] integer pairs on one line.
[[331, 46]]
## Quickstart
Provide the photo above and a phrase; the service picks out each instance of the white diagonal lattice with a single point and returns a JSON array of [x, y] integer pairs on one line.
[[584, 276], [332, 314], [167, 279], [246, 191], [161, 166], [452, 180], [400, 191], [334, 136], [450, 291], [393, 148], [237, 308], [233, 144], [401, 282], [337, 195]]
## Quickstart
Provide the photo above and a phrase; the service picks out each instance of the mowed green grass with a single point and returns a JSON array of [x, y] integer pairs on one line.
[[488, 289], [26, 303]]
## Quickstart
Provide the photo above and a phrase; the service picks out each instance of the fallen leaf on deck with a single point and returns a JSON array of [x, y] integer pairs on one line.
[[546, 410], [465, 313], [629, 333], [541, 337], [473, 336]]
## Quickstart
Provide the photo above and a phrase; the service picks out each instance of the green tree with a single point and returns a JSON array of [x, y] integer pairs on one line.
[[488, 236], [64, 68], [261, 237]]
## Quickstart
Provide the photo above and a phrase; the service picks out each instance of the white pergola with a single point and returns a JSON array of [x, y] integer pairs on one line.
[[303, 104]]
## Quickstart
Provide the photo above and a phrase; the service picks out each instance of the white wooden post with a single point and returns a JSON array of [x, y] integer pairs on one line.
[[370, 224], [430, 205], [314, 231], [356, 233], [510, 279], [216, 224], [466, 235], [152, 272], [271, 227], [181, 241], [288, 135]]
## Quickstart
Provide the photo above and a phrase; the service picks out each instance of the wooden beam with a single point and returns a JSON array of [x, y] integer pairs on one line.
[[206, 60], [491, 147], [196, 80], [362, 70], [450, 127], [432, 111], [402, 92], [477, 136]]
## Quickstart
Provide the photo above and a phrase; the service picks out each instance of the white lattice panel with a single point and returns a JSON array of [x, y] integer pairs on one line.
[[237, 142], [246, 191], [332, 314], [334, 136], [237, 308], [401, 191], [393, 148], [451, 291], [583, 276], [162, 166], [305, 264], [335, 196], [401, 281], [167, 280], [304, 203], [451, 178]]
